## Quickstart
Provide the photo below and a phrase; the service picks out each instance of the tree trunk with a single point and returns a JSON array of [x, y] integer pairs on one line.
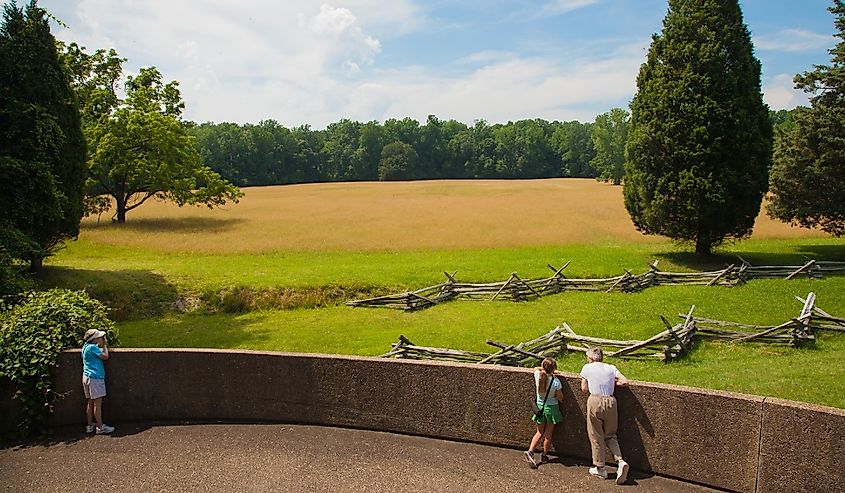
[[121, 212], [36, 263], [702, 248]]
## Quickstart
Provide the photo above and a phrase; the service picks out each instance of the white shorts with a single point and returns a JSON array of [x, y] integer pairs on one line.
[[94, 388]]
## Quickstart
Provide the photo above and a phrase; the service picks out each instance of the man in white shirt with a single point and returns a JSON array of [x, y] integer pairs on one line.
[[600, 380]]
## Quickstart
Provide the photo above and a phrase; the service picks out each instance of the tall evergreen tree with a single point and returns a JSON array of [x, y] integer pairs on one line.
[[42, 149], [700, 140], [808, 176]]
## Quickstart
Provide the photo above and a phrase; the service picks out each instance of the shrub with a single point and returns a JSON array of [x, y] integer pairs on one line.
[[32, 335]]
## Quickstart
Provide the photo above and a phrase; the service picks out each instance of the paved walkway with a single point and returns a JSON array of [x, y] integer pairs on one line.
[[259, 458]]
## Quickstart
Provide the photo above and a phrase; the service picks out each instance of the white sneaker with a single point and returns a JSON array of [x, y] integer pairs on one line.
[[90, 428], [105, 430], [529, 456], [622, 472], [599, 473]]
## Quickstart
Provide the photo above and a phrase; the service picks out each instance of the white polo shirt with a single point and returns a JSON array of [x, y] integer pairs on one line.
[[600, 377]]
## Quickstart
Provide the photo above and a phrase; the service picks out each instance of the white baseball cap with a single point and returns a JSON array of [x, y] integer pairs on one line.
[[92, 334]]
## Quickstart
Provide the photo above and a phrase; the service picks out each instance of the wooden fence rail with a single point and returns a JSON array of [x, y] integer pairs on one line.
[[516, 288], [670, 344]]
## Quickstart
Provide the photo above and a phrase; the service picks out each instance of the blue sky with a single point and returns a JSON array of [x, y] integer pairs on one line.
[[315, 62]]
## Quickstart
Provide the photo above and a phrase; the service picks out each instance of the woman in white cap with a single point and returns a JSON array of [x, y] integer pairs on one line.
[[95, 350]]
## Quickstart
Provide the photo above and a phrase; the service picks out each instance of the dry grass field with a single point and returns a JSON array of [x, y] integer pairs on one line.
[[395, 216]]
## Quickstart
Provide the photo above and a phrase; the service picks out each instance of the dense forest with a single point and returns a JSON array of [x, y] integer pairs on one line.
[[268, 153]]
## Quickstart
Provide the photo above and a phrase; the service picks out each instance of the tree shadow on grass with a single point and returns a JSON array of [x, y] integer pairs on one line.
[[218, 331], [721, 259], [171, 224], [130, 294]]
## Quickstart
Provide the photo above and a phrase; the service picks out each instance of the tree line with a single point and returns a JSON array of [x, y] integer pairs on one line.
[[268, 153]]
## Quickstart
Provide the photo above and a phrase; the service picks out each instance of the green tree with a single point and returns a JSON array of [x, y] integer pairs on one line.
[[139, 147], [42, 149], [699, 142], [808, 176], [225, 148], [609, 135], [397, 162], [572, 143], [339, 160]]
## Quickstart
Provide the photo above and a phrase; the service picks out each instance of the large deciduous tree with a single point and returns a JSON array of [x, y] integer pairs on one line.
[[609, 135], [398, 160], [699, 144], [42, 149], [808, 175], [139, 147]]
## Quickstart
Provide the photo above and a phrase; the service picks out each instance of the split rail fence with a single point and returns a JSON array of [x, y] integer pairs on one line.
[[672, 343], [516, 288]]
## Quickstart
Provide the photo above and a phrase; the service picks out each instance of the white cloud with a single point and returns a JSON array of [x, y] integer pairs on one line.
[[557, 7], [342, 26], [300, 63], [779, 93], [310, 62], [794, 40]]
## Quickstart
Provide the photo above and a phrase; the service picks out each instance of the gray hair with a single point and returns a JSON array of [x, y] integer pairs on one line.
[[595, 354]]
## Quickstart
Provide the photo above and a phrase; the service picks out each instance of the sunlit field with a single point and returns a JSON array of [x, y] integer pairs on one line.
[[274, 272], [395, 216]]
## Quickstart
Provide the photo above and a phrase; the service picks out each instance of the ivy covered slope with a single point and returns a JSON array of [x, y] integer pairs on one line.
[[32, 334]]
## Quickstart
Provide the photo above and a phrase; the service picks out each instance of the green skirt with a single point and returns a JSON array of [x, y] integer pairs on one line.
[[551, 414]]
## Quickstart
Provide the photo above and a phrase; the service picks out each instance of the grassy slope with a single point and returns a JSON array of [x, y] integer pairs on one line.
[[140, 280], [813, 375]]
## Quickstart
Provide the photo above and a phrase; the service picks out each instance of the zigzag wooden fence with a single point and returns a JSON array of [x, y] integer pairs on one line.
[[671, 343], [516, 288]]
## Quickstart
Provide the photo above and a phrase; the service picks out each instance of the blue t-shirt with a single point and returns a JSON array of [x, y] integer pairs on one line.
[[92, 365], [555, 385]]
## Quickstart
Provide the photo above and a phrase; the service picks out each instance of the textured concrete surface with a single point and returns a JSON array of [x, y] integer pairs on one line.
[[802, 448], [706, 437], [260, 458]]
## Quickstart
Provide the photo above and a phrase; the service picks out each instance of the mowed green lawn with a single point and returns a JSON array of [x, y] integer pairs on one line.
[[141, 282]]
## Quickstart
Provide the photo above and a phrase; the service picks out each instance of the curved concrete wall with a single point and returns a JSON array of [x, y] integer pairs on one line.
[[731, 441]]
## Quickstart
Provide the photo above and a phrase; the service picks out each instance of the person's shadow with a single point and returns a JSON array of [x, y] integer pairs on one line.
[[572, 444]]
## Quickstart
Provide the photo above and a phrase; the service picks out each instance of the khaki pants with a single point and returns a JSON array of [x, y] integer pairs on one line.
[[602, 419]]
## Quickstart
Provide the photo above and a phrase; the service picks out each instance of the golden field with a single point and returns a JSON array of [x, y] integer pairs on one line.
[[395, 216]]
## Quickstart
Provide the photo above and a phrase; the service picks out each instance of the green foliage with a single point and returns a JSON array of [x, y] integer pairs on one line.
[[783, 121], [269, 154], [609, 134], [32, 335], [139, 147], [573, 143], [42, 149], [398, 160], [699, 143], [13, 280], [808, 176]]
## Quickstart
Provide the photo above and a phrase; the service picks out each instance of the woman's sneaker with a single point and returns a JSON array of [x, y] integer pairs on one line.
[[598, 472], [622, 472], [90, 428], [105, 430], [529, 456], [544, 459]]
